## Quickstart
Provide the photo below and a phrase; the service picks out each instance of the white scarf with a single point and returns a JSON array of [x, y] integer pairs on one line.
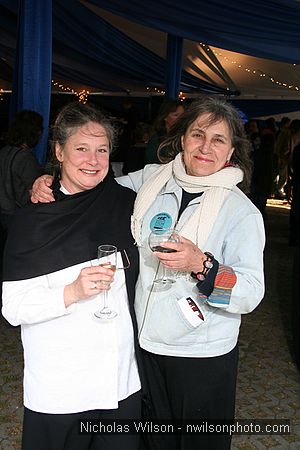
[[216, 187]]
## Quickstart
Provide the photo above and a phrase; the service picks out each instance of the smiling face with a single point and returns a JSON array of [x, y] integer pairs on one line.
[[84, 158], [206, 147]]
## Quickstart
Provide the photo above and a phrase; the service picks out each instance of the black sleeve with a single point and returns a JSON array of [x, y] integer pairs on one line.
[[25, 170], [207, 286]]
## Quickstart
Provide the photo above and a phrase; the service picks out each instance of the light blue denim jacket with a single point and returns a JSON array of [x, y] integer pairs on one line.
[[236, 240]]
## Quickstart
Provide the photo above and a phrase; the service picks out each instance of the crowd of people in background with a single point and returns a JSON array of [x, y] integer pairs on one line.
[[275, 156]]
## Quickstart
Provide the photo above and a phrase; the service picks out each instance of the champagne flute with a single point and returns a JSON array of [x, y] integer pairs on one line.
[[158, 237], [107, 257]]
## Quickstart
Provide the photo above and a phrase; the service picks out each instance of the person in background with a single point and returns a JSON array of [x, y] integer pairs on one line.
[[294, 223], [77, 369], [18, 165], [286, 141], [295, 310], [18, 168], [129, 118], [262, 176], [135, 156], [284, 124], [270, 126], [168, 114], [251, 127]]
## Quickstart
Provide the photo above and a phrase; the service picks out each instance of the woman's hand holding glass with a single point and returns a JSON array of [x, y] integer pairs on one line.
[[90, 281], [157, 240], [185, 257]]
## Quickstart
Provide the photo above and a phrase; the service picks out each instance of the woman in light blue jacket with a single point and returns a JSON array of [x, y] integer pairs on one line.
[[189, 330]]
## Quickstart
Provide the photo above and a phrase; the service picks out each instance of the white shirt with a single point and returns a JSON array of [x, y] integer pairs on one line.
[[73, 361]]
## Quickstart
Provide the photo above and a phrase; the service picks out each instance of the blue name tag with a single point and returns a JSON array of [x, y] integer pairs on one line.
[[161, 221]]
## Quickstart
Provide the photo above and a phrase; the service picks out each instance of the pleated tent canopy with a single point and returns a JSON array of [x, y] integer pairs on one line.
[[264, 28], [90, 51], [265, 86], [67, 40]]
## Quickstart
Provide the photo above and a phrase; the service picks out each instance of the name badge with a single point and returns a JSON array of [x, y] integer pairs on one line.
[[161, 221]]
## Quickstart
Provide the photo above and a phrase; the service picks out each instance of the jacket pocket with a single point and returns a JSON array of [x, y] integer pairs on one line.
[[167, 324]]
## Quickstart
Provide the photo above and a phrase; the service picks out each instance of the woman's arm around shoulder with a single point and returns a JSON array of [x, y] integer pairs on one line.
[[134, 180]]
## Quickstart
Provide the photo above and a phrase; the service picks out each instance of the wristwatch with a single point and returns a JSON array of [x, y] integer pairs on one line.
[[207, 265]]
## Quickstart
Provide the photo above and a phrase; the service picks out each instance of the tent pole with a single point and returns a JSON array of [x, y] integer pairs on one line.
[[174, 66]]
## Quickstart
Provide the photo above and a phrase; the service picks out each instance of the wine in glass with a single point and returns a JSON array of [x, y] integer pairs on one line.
[[156, 238], [107, 257]]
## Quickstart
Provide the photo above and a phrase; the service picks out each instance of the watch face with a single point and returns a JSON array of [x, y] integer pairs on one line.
[[208, 264]]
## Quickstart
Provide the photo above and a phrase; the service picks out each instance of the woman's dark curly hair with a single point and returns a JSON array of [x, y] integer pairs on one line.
[[218, 109]]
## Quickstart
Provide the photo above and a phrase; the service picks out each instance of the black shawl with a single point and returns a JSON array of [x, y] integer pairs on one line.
[[47, 237]]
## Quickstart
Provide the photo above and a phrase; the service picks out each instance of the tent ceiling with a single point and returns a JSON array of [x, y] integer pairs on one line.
[[262, 28], [90, 53], [88, 57], [250, 75]]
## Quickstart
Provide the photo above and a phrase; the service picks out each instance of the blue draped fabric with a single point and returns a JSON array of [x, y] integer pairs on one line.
[[89, 50], [263, 28], [33, 59], [174, 66], [115, 55]]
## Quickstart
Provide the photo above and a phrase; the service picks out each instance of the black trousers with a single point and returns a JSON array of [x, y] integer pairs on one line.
[[61, 431], [190, 389]]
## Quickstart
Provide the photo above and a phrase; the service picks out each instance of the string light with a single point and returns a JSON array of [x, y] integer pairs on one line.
[[256, 72], [82, 95], [181, 95], [155, 90]]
